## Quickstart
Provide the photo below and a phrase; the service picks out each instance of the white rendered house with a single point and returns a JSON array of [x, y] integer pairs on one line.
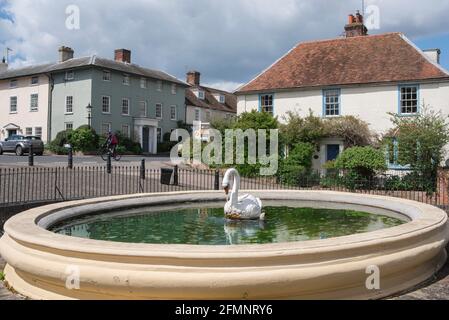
[[360, 75], [24, 100]]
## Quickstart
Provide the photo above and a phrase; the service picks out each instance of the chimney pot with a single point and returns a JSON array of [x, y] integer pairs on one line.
[[193, 78], [351, 19], [122, 55], [65, 53]]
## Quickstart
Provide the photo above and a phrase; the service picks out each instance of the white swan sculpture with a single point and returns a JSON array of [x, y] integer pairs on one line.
[[246, 207]]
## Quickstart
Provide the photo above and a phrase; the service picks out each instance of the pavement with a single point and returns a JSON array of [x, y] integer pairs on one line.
[[11, 160]]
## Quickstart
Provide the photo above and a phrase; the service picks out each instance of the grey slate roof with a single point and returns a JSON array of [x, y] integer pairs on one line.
[[92, 61]]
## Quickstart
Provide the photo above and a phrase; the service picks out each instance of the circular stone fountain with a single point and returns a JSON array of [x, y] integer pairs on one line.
[[45, 265]]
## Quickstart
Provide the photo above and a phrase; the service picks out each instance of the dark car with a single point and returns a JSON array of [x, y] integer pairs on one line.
[[21, 145]]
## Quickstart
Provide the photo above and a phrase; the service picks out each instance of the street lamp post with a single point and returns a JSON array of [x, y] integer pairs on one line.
[[89, 115]]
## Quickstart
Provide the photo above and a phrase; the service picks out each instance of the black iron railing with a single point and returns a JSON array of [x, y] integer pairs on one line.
[[24, 186]]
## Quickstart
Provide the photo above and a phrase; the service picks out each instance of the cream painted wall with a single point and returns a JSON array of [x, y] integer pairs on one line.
[[370, 103], [24, 118]]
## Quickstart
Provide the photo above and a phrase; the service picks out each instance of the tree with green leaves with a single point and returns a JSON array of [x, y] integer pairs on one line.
[[422, 139]]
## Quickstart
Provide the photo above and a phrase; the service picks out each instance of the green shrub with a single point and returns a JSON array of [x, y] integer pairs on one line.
[[127, 145], [422, 140], [296, 168], [84, 139], [57, 145], [362, 162], [2, 276]]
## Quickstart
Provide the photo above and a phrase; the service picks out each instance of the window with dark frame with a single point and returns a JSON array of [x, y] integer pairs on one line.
[[13, 83], [173, 113], [69, 126], [34, 81], [125, 107], [38, 132], [126, 131], [266, 103], [34, 102], [106, 105], [106, 75], [159, 111], [69, 104], [331, 102], [13, 104], [70, 75], [409, 100], [126, 80], [143, 109]]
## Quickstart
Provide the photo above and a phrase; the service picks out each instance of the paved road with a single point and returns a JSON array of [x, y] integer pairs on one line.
[[10, 160]]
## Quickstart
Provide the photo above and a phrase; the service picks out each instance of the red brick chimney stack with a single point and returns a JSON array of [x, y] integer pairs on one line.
[[123, 55], [193, 78], [355, 26]]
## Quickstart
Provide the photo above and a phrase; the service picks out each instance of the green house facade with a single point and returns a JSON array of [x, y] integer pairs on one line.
[[115, 95]]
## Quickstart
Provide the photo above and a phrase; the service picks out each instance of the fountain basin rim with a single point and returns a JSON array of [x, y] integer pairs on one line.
[[30, 227]]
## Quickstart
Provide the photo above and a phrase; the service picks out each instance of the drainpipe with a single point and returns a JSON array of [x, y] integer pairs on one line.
[[51, 86]]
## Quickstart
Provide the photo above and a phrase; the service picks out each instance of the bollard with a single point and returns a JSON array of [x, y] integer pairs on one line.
[[31, 156], [176, 176], [142, 170], [70, 160], [109, 163], [217, 180]]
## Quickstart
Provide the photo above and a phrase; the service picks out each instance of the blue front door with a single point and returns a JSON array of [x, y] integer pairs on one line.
[[333, 151]]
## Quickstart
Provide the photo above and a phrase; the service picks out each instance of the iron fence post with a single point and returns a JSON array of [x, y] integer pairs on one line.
[[70, 158], [109, 164], [217, 180], [142, 170], [31, 156], [176, 176]]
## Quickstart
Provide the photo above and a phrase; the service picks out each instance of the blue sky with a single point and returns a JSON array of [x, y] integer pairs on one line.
[[229, 42]]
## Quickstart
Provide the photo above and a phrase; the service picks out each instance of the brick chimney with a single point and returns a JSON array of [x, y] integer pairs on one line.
[[433, 54], [65, 53], [122, 55], [193, 78], [355, 26]]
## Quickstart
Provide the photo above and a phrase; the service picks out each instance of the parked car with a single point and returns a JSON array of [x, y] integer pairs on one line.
[[21, 145]]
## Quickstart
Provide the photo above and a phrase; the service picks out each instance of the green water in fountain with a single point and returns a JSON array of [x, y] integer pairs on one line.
[[207, 226]]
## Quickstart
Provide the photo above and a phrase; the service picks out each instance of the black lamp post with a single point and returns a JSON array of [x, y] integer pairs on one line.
[[89, 115]]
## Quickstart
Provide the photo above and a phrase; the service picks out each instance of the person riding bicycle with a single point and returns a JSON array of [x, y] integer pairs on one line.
[[112, 142]]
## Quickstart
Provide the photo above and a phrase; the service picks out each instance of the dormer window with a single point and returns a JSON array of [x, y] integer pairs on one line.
[[201, 95], [222, 99]]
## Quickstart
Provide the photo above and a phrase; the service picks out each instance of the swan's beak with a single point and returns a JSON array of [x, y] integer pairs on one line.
[[226, 189]]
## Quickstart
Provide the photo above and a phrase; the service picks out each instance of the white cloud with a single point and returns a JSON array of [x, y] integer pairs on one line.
[[229, 86], [228, 41]]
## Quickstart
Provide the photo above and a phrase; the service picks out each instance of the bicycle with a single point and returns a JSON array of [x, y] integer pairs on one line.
[[105, 152]]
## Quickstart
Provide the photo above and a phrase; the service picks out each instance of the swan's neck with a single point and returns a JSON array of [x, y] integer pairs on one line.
[[235, 188]]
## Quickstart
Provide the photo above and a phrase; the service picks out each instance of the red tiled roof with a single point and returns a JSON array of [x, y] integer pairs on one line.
[[359, 60], [210, 102]]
